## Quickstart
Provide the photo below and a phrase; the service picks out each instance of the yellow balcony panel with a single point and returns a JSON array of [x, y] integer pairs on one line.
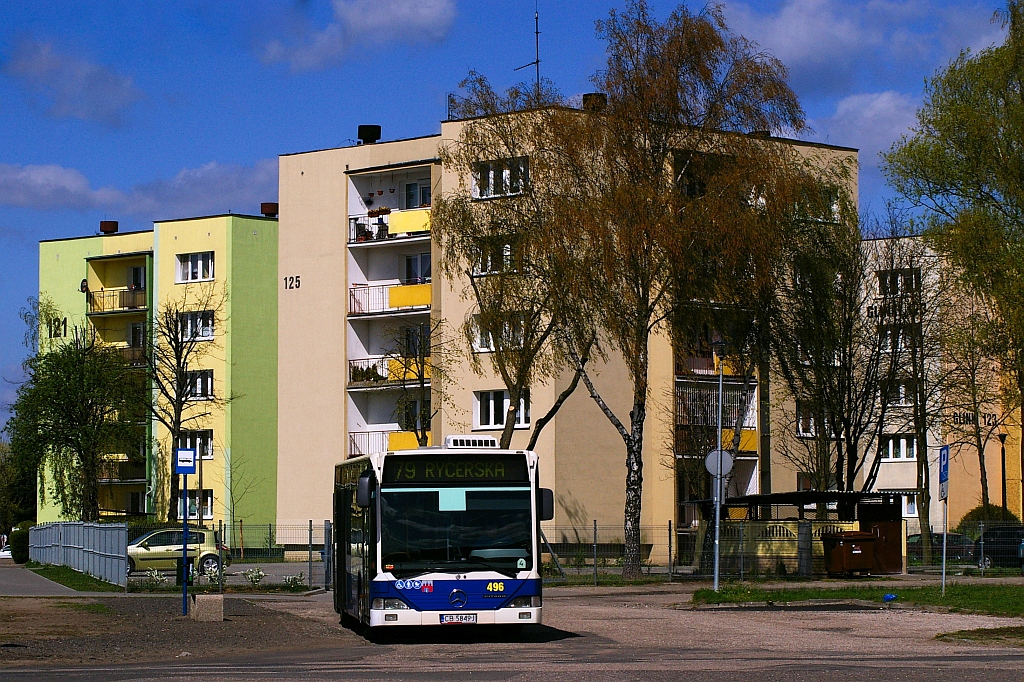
[[404, 222], [409, 296], [748, 440], [400, 369], [406, 440]]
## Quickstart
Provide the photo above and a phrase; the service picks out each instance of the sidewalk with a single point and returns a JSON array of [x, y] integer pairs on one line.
[[18, 581]]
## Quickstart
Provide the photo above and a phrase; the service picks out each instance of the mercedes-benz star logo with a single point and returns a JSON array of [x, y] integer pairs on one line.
[[458, 598]]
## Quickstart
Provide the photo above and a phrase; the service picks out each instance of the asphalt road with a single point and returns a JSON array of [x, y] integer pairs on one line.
[[647, 637]]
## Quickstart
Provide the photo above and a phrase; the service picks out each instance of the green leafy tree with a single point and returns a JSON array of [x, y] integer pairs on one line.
[[963, 165], [80, 403]]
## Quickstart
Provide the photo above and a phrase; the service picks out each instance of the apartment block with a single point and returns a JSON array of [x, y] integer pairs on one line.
[[220, 273]]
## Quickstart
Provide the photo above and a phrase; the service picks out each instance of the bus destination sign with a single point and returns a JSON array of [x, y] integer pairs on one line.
[[451, 468]]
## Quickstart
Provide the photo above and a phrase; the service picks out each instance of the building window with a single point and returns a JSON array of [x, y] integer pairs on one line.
[[492, 406], [898, 337], [483, 342], [136, 503], [195, 267], [505, 177], [415, 341], [200, 384], [806, 422], [200, 441], [898, 447], [193, 507], [910, 506], [137, 335], [898, 282], [496, 255], [137, 278], [414, 415], [197, 325], [417, 268], [417, 194], [804, 482], [901, 392]]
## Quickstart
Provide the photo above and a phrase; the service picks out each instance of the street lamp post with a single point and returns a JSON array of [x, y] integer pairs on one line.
[[1002, 456], [719, 349]]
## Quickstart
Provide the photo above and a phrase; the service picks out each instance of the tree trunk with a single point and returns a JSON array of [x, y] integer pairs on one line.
[[979, 444], [631, 564]]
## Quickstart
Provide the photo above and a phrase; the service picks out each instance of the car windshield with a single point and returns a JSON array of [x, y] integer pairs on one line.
[[456, 529]]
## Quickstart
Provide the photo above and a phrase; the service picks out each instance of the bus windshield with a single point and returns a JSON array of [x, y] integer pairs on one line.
[[453, 529]]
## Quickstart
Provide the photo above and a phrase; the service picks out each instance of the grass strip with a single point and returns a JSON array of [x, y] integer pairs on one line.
[[995, 600], [73, 579], [1012, 636]]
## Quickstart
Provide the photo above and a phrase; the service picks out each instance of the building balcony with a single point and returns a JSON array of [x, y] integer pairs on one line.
[[367, 442], [384, 371], [122, 472], [134, 356], [108, 301], [382, 227], [380, 299]]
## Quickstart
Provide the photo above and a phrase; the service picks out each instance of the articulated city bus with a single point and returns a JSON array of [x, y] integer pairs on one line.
[[440, 535]]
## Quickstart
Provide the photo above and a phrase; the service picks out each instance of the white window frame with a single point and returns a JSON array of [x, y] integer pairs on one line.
[[201, 320], [193, 511], [200, 440], [201, 383], [898, 447], [483, 342], [486, 173], [910, 507], [480, 398], [191, 266], [804, 415]]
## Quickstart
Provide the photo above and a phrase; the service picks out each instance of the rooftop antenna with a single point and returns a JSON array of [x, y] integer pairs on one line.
[[536, 45]]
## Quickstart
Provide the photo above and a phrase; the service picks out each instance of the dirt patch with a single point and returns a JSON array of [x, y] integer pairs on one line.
[[1009, 636], [128, 629]]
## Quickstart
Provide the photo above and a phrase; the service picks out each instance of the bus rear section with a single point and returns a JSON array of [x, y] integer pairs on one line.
[[440, 536]]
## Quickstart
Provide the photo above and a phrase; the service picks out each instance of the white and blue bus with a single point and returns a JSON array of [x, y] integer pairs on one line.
[[440, 535]]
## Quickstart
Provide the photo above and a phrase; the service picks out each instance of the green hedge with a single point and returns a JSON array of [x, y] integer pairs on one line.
[[19, 546]]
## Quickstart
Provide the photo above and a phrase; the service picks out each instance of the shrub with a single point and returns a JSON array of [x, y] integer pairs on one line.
[[295, 581], [19, 544], [990, 515], [254, 576]]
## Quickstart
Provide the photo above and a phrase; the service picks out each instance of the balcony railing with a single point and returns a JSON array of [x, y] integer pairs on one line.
[[117, 300], [368, 442], [134, 356], [383, 298], [394, 225], [384, 370], [122, 472]]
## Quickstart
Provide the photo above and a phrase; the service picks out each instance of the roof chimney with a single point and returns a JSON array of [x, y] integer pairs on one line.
[[368, 134], [269, 209], [108, 226], [595, 101]]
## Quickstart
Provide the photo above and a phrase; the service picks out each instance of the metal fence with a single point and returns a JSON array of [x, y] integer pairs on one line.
[[977, 548], [98, 549], [279, 551]]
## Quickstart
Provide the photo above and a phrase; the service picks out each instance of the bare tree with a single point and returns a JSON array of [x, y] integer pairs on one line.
[[183, 335], [672, 88], [494, 231]]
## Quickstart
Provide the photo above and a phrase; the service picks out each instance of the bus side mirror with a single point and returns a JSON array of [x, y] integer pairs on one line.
[[364, 488], [547, 504]]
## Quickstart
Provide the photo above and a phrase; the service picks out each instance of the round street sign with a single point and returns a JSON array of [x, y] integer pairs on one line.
[[711, 462]]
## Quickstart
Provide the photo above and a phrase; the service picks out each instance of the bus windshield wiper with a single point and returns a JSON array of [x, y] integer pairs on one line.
[[450, 567]]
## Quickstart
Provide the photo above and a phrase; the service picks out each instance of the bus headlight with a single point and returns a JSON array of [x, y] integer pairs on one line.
[[525, 602], [388, 605]]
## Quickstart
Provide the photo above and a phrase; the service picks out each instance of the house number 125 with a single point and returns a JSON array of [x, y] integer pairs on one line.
[[292, 282]]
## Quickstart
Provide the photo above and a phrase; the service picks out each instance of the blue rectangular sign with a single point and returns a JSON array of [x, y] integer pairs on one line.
[[944, 472], [184, 461]]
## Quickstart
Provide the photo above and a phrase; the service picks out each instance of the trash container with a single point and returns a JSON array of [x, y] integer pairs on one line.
[[849, 552]]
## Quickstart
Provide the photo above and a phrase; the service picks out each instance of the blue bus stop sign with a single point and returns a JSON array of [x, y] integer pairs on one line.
[[184, 461], [944, 472]]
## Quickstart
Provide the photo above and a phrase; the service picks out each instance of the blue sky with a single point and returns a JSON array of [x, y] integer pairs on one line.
[[136, 111]]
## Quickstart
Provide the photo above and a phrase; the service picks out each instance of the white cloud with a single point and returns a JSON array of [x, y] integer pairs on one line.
[[872, 122], [356, 22], [211, 188], [73, 87], [832, 46], [51, 187]]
